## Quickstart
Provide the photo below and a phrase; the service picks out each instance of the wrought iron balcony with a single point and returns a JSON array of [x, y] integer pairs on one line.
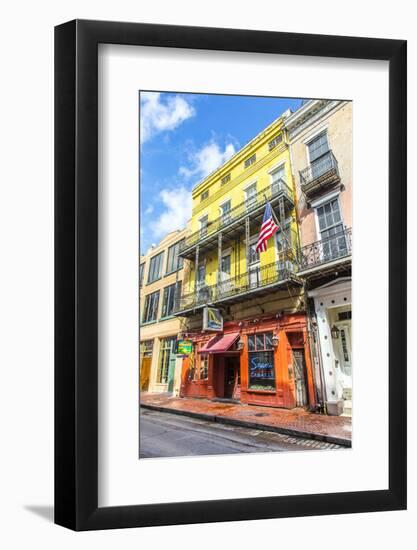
[[257, 281], [320, 175], [230, 223], [334, 248]]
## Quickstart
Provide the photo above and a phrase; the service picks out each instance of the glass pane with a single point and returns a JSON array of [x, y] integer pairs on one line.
[[268, 340], [226, 264], [261, 371], [226, 207], [260, 342], [251, 343]]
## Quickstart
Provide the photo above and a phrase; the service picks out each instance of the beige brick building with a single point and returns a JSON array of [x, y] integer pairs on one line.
[[161, 276]]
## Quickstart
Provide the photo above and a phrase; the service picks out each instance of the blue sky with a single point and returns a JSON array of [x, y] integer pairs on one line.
[[184, 137]]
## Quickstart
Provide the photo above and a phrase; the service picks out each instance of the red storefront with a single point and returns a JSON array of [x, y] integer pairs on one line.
[[263, 361]]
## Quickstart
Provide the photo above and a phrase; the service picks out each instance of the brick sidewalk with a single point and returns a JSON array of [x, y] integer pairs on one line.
[[298, 422]]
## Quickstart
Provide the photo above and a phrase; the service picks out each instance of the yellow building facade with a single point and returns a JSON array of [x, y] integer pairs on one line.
[[261, 356], [161, 277], [228, 207]]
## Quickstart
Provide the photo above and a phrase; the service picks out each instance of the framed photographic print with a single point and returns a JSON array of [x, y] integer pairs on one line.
[[230, 275]]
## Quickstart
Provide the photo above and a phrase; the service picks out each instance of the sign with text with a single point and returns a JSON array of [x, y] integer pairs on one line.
[[184, 347], [212, 319]]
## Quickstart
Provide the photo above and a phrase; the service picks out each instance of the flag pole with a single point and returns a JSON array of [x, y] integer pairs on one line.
[[280, 225]]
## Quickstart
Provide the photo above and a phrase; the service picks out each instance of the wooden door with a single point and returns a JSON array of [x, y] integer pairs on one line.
[[229, 377], [300, 377], [145, 370]]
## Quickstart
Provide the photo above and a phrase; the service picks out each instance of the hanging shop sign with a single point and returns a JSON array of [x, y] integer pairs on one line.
[[212, 319], [184, 347]]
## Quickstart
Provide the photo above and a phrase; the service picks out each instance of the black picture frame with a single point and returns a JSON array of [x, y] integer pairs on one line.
[[76, 272]]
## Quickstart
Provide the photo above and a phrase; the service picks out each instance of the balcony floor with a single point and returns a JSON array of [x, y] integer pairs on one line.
[[244, 295], [232, 230]]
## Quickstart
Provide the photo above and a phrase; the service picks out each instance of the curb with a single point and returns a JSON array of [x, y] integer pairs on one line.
[[254, 425]]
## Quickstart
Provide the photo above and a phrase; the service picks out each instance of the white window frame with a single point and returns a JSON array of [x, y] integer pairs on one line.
[[321, 202], [245, 189], [205, 215], [312, 137], [276, 166], [225, 201]]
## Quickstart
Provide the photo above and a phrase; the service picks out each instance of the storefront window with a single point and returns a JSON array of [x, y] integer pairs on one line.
[[204, 367], [261, 362], [166, 355]]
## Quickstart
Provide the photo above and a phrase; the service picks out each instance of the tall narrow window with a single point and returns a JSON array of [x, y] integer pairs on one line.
[[155, 267], [277, 180], [170, 299], [204, 359], [331, 230], [317, 152], [150, 310], [141, 273], [318, 147], [174, 261], [250, 196], [225, 209], [254, 271], [203, 225], [167, 359], [201, 275]]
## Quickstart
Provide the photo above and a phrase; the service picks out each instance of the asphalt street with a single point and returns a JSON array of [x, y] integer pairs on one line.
[[163, 434]]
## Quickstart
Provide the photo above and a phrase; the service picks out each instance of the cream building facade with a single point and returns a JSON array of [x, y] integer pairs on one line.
[[320, 137], [161, 278]]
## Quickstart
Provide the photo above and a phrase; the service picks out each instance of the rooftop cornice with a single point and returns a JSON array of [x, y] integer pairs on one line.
[[309, 112], [225, 168]]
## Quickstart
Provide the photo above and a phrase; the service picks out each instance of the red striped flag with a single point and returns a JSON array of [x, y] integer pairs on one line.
[[268, 228]]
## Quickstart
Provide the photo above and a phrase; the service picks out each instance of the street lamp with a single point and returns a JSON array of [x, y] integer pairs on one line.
[[275, 340], [240, 344]]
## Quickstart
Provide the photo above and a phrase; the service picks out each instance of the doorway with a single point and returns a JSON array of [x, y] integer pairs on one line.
[[343, 349], [230, 376], [145, 371], [300, 371]]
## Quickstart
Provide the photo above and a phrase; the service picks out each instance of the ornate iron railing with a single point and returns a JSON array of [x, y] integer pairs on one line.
[[332, 248], [248, 206], [323, 170], [244, 284]]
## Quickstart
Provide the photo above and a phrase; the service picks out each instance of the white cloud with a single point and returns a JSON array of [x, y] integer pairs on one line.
[[160, 116], [148, 210], [178, 205], [207, 159]]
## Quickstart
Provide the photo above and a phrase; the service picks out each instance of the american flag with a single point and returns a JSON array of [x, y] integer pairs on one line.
[[268, 228]]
